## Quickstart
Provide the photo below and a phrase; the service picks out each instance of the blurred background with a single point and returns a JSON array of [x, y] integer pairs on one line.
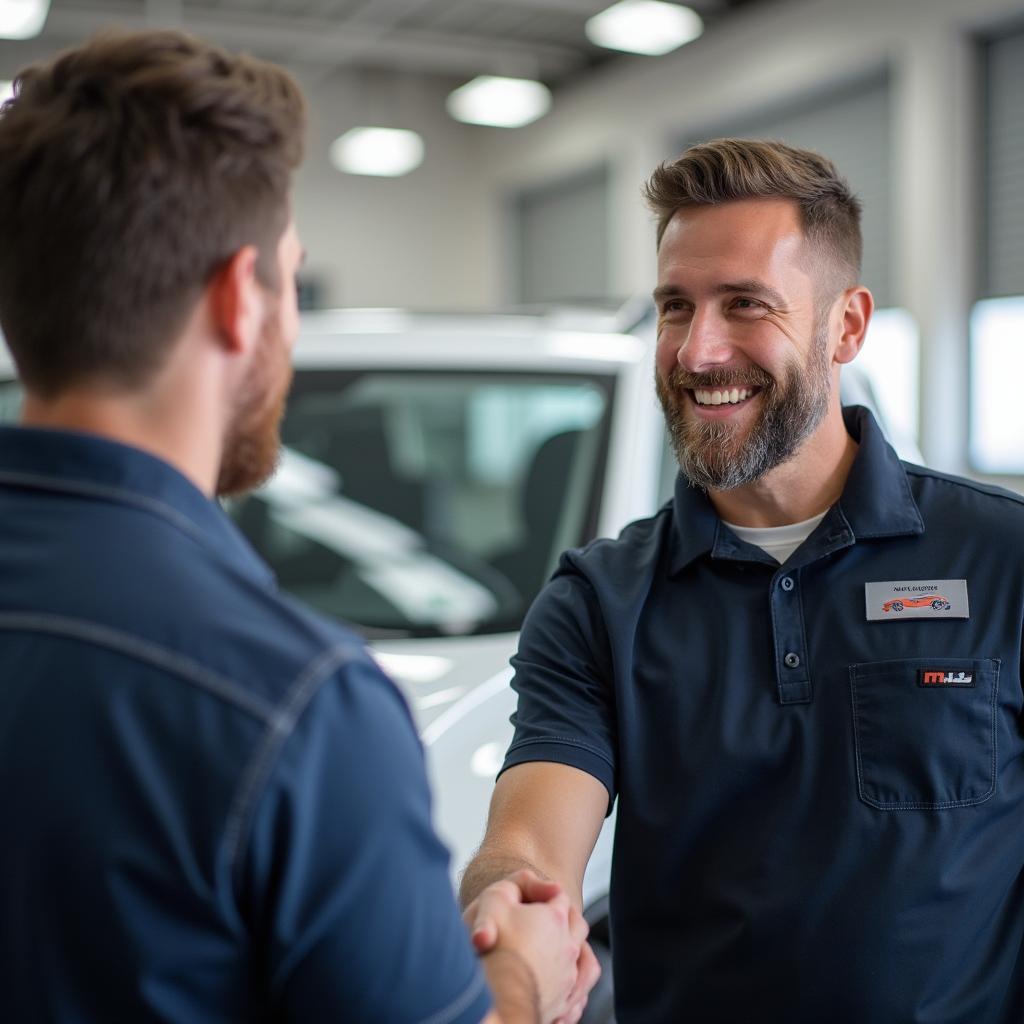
[[918, 101]]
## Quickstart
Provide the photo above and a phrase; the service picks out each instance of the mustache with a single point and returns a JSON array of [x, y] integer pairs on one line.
[[750, 377]]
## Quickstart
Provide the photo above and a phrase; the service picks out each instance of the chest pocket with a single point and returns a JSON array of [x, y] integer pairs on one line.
[[925, 732]]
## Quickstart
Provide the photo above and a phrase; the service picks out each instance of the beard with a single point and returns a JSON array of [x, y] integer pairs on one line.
[[252, 441], [718, 456]]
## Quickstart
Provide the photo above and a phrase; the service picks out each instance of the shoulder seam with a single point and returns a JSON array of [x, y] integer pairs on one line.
[[648, 525], [295, 701], [158, 508], [143, 650], [989, 490]]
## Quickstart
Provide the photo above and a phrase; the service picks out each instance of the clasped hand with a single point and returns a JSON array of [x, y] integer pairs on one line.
[[533, 918]]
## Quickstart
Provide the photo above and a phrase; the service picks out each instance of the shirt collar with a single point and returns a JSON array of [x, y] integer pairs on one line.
[[95, 467], [876, 499]]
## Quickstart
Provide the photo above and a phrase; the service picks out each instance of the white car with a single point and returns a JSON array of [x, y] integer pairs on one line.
[[434, 467]]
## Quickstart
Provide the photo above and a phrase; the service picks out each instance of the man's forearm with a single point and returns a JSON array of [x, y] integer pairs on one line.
[[490, 866], [514, 987]]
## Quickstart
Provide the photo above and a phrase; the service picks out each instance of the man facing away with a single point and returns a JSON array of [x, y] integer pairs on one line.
[[214, 804], [801, 678]]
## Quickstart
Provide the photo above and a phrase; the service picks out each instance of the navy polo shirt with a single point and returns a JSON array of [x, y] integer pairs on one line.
[[805, 833], [213, 804]]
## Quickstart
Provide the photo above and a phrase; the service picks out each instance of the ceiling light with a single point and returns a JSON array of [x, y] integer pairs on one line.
[[644, 26], [22, 19], [500, 102], [6, 91], [382, 152]]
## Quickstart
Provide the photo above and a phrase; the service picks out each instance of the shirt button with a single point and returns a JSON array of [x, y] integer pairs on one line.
[[787, 583], [791, 660]]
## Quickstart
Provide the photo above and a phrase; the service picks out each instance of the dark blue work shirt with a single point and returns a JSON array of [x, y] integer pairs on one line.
[[820, 804], [213, 804]]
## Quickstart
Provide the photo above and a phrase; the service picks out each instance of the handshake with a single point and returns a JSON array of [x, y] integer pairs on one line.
[[533, 945]]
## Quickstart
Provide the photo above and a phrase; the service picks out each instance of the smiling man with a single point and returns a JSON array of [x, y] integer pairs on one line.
[[726, 290], [820, 786]]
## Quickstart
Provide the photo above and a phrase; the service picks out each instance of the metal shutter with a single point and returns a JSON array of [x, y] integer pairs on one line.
[[563, 240], [851, 126], [1003, 217]]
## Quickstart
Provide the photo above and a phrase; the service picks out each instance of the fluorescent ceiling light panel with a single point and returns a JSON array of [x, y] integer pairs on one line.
[[499, 102], [22, 19], [6, 91], [644, 26], [380, 152]]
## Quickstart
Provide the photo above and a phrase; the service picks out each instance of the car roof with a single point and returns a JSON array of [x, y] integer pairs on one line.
[[581, 341]]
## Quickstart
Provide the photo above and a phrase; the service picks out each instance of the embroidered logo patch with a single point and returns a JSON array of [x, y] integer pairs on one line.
[[944, 677], [916, 599]]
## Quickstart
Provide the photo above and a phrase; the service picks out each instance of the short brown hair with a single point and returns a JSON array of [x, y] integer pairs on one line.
[[724, 170], [131, 168]]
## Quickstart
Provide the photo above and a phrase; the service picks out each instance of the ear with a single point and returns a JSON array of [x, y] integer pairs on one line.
[[857, 306], [236, 301]]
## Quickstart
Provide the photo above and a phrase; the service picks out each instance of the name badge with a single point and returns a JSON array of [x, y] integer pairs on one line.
[[916, 599]]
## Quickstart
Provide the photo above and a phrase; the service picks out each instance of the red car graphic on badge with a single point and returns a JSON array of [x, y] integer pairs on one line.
[[936, 601]]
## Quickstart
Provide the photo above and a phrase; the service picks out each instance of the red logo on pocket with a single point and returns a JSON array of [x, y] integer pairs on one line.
[[944, 677]]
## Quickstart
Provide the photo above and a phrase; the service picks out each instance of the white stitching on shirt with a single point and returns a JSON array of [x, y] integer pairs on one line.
[[144, 650], [297, 697], [159, 508]]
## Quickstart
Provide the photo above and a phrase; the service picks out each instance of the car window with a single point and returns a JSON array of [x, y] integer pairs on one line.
[[429, 503], [10, 401]]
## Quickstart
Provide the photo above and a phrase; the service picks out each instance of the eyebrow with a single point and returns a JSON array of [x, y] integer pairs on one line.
[[748, 287]]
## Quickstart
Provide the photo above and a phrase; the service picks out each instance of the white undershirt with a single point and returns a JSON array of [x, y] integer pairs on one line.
[[778, 541]]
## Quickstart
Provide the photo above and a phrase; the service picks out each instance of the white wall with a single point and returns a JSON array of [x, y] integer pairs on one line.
[[424, 240]]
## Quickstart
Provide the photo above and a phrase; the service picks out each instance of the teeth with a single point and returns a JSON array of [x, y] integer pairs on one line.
[[722, 397]]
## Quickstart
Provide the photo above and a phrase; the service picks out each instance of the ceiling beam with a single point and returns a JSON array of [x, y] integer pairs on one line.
[[384, 14], [588, 8], [582, 8], [320, 42]]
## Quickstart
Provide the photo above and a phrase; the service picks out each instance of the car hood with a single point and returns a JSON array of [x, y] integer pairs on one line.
[[436, 673], [458, 689]]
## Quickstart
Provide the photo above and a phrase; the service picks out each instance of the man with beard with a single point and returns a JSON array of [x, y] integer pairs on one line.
[[214, 804], [801, 678]]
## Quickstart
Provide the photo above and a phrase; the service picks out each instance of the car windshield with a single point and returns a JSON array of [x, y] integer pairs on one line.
[[426, 503], [10, 401], [429, 503]]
